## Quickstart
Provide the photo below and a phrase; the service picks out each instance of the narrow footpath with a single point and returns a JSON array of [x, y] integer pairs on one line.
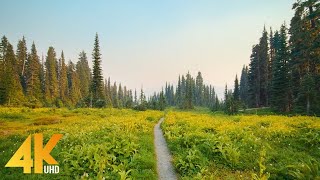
[[164, 166]]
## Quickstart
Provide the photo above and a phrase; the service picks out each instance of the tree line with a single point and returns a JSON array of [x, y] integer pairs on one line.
[[189, 92], [27, 80], [284, 69]]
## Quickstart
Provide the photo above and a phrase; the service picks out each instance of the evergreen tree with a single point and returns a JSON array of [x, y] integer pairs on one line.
[[108, 93], [188, 93], [21, 58], [73, 83], [42, 79], [230, 106], [135, 97], [178, 93], [199, 89], [97, 79], [253, 78], [236, 92], [84, 74], [244, 86], [120, 96], [115, 100], [263, 56], [3, 49], [63, 80], [12, 89], [51, 81], [162, 101], [33, 76], [280, 80]]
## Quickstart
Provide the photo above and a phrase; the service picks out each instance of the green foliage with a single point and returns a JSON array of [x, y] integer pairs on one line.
[[256, 147], [97, 78], [262, 168], [305, 170], [280, 79], [51, 86], [100, 103], [190, 163], [96, 143], [110, 159]]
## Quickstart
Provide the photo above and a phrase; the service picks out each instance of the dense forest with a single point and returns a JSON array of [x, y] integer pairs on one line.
[[284, 69], [27, 81], [283, 73]]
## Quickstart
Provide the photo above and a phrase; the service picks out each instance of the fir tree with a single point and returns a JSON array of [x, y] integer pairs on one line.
[[188, 93], [51, 82], [33, 76], [73, 83], [280, 80], [244, 86], [3, 49], [199, 89], [20, 63], [84, 74], [263, 56], [97, 79], [63, 80], [253, 78], [13, 93], [162, 101], [115, 100], [236, 91], [120, 96]]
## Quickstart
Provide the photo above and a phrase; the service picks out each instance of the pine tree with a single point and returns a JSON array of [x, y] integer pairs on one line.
[[135, 97], [84, 74], [97, 78], [162, 101], [280, 80], [244, 86], [73, 84], [33, 78], [199, 90], [263, 55], [254, 78], [63, 80], [188, 94], [236, 92], [178, 92], [51, 82], [42, 79], [13, 92], [3, 50], [21, 58], [120, 96], [115, 100], [108, 93]]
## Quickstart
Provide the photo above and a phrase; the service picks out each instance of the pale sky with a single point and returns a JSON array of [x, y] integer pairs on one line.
[[149, 42]]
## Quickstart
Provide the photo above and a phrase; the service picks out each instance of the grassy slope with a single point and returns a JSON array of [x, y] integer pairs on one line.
[[214, 146], [99, 142]]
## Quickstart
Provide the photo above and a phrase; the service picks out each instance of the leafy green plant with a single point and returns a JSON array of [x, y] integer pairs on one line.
[[263, 175], [190, 163], [305, 170]]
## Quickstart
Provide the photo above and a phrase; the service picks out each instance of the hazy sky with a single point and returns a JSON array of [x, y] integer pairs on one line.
[[148, 42]]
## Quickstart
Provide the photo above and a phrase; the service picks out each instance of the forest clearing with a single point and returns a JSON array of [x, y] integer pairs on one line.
[[166, 90]]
